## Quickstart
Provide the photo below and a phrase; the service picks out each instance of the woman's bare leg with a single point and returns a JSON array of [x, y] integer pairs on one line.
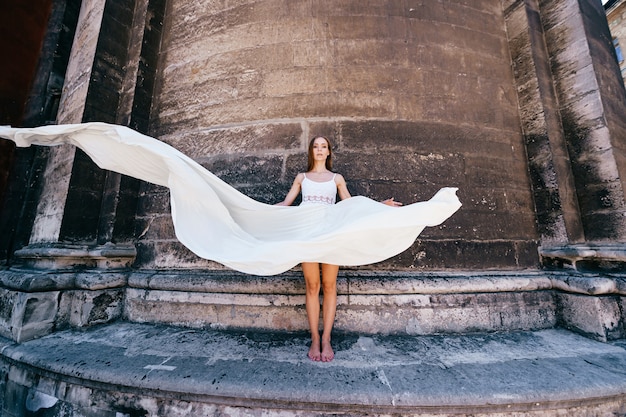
[[311, 272], [329, 308]]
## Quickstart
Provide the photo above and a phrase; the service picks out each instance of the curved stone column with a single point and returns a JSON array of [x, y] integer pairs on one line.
[[415, 97]]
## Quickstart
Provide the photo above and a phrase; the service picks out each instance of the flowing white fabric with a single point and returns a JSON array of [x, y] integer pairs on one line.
[[219, 223]]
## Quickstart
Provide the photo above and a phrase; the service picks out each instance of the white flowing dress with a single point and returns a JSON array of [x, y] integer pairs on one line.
[[219, 223]]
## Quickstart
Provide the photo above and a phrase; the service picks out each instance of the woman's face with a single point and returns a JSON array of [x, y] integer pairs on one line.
[[320, 149]]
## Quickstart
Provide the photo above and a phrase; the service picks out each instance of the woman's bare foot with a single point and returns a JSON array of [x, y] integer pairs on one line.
[[327, 354], [314, 351]]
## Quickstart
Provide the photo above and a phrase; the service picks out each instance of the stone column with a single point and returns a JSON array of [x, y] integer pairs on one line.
[[46, 249], [591, 104], [572, 106], [79, 281], [58, 171], [552, 180], [570, 102]]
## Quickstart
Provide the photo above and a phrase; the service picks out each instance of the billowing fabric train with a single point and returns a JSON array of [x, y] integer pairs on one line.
[[219, 223]]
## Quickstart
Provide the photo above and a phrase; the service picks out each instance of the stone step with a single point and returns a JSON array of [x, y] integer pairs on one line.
[[384, 302], [414, 303], [130, 369]]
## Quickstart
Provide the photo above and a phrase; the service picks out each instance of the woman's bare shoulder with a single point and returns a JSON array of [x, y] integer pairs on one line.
[[299, 177], [339, 178]]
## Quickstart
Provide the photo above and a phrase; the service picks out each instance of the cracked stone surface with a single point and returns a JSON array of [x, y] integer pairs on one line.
[[456, 370]]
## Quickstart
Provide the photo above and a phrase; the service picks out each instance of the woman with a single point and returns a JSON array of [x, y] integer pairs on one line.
[[319, 185]]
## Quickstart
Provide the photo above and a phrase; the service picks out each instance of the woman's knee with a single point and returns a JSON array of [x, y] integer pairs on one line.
[[329, 286], [313, 287]]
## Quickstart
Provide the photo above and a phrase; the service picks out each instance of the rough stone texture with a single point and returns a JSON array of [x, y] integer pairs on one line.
[[27, 315], [571, 108], [586, 258], [415, 98], [63, 257], [58, 171], [578, 42], [380, 303], [178, 372], [374, 302], [558, 215], [36, 303], [89, 308], [598, 317]]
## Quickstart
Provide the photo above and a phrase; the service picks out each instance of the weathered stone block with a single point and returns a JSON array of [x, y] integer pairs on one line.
[[14, 399], [369, 303], [153, 199], [442, 254], [247, 170], [87, 308], [156, 226], [592, 259], [7, 302], [25, 316], [596, 317], [446, 313], [4, 371]]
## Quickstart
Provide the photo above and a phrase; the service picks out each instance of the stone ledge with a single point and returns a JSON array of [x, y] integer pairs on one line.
[[384, 302], [61, 256], [352, 282], [348, 282], [29, 280], [605, 258]]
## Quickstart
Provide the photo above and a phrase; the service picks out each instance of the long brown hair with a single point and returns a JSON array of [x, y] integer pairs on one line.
[[329, 160]]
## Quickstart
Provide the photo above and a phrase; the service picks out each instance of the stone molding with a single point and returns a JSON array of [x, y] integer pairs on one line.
[[59, 256], [585, 257], [376, 302]]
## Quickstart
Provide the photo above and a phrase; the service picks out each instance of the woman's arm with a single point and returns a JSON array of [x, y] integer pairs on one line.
[[293, 192], [342, 188]]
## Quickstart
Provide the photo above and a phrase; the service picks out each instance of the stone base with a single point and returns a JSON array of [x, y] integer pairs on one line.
[[35, 303], [585, 258], [368, 302]]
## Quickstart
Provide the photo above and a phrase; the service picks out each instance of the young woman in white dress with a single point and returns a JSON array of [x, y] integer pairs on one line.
[[319, 185], [219, 223]]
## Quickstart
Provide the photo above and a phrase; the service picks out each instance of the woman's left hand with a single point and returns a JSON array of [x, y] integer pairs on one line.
[[391, 202]]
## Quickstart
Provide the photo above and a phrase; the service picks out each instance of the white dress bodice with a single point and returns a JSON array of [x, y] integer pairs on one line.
[[314, 192]]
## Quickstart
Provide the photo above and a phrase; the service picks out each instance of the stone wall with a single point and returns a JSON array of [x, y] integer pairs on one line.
[[415, 97], [616, 15]]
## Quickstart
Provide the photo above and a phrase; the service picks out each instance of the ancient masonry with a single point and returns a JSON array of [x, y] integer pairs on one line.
[[519, 103]]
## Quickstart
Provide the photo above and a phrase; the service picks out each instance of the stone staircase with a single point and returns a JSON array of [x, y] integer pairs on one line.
[[130, 369], [198, 343]]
